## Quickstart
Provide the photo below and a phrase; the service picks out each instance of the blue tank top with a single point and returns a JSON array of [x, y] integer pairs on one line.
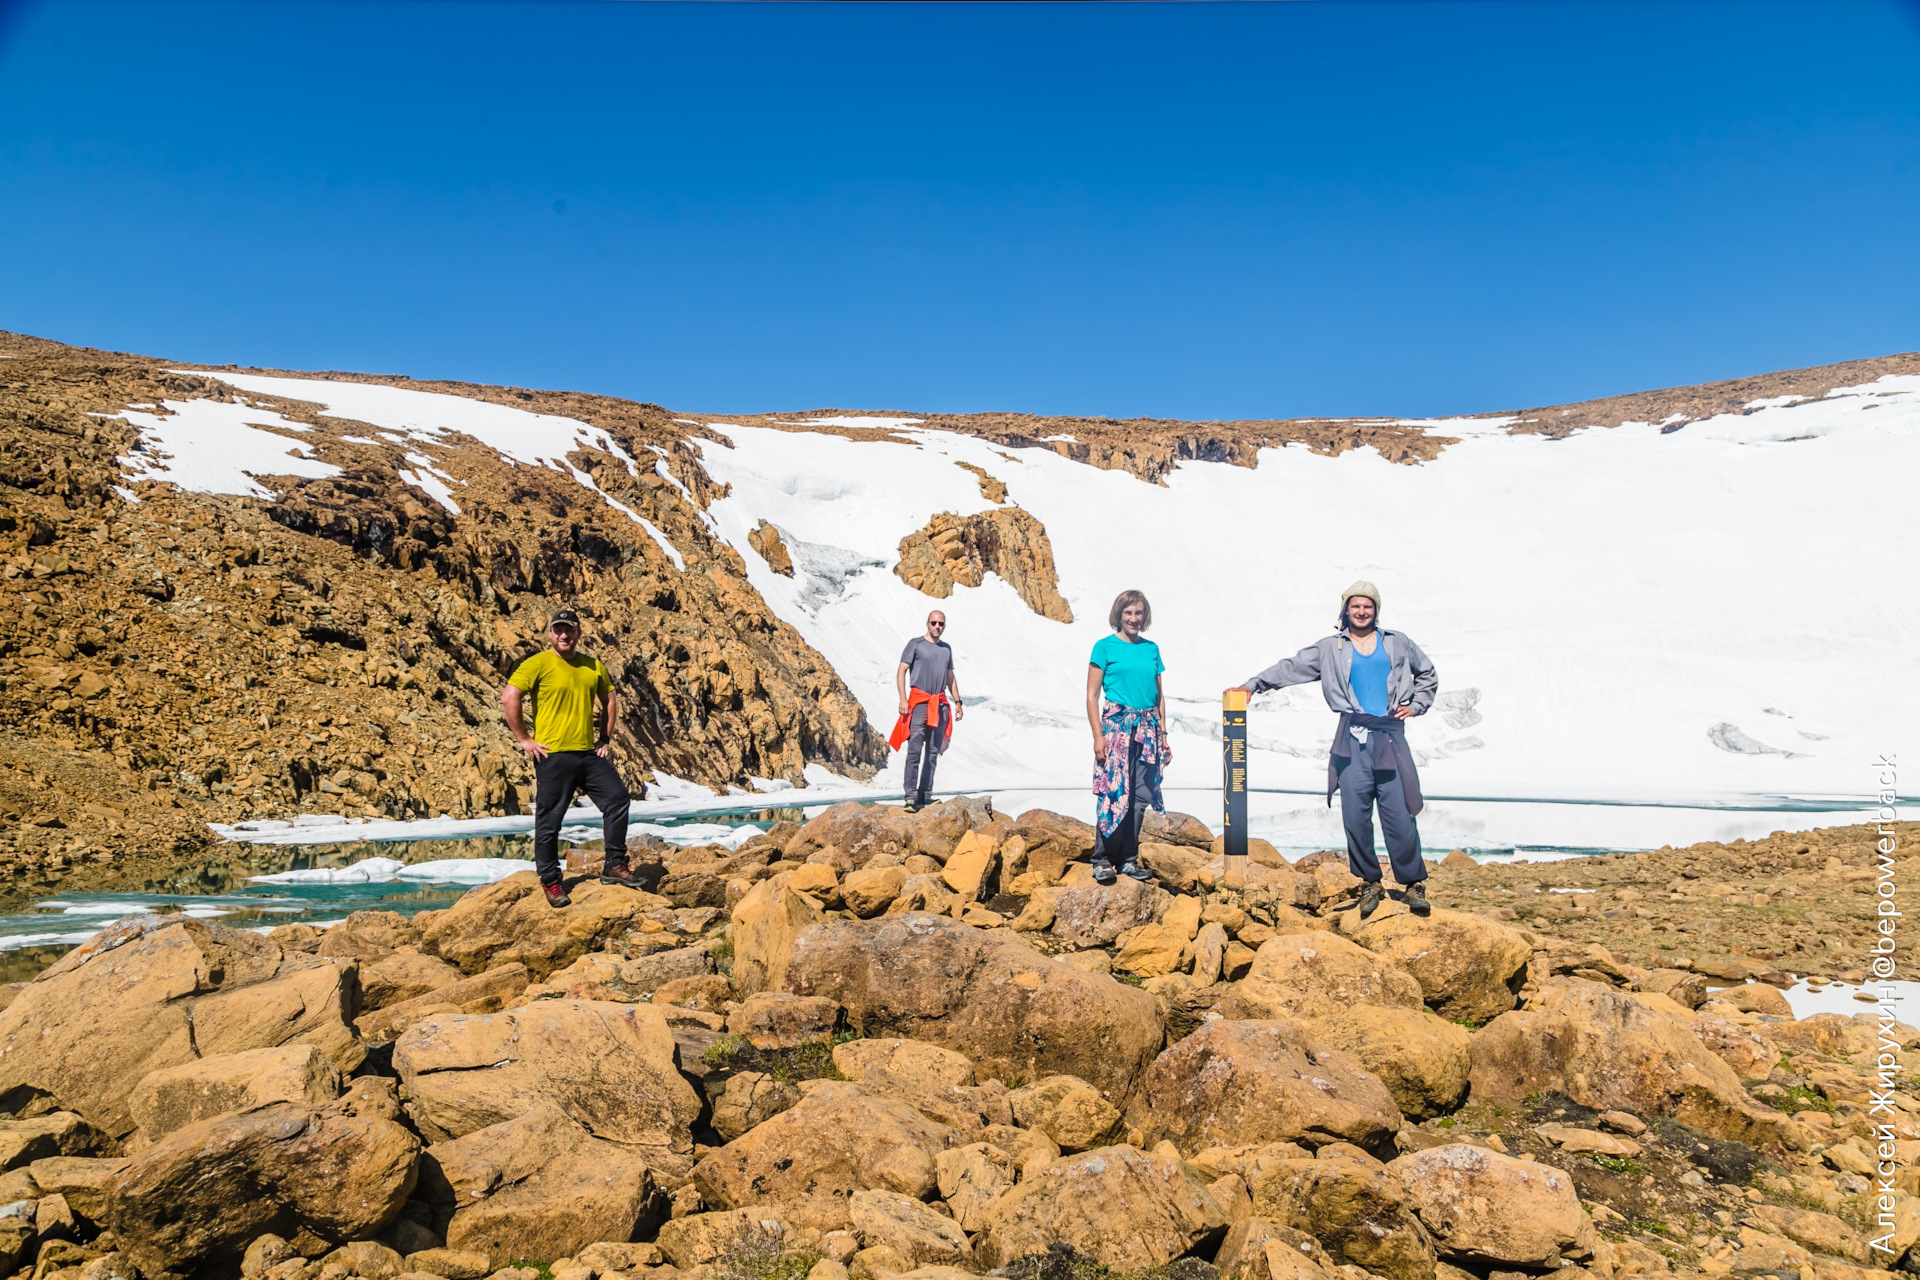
[[1368, 676]]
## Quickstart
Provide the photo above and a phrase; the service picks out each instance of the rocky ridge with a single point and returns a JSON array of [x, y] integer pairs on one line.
[[889, 1044]]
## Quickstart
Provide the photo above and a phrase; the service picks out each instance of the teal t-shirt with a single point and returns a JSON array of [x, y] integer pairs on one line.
[[1128, 671]]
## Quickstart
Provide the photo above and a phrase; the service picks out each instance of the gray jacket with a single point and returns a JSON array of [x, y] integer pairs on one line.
[[1412, 679]]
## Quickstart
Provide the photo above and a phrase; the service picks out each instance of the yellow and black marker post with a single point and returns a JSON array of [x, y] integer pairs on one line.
[[1233, 756]]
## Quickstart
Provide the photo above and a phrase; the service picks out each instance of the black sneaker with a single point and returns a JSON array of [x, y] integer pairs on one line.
[[557, 895], [1103, 873], [1370, 898], [1137, 871], [1417, 899]]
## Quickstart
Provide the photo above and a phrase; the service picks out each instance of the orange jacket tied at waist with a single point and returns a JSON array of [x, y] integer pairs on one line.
[[937, 716]]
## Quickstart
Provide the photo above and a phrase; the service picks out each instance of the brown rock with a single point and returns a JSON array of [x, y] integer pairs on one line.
[[1468, 966], [1176, 829], [702, 1239], [1093, 915], [1572, 1138], [483, 993], [81, 1180], [1424, 1060], [971, 1179], [1068, 1110], [198, 1196], [1361, 1215], [611, 1067], [810, 1159], [1118, 1205], [1615, 1049], [781, 1020], [935, 1081], [60, 1133], [403, 975], [705, 992], [157, 992], [1004, 540], [509, 922], [1678, 985], [1747, 1049], [912, 1230], [1259, 1249], [1820, 1232], [454, 1264], [174, 1097], [765, 539], [871, 890], [1016, 1013], [856, 832], [367, 936], [766, 923], [749, 1098], [536, 1186], [1237, 1082], [1316, 975], [368, 1259], [1053, 840], [1484, 1207], [1756, 997], [973, 861]]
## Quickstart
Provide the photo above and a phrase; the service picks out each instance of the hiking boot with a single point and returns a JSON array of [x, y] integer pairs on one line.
[[1137, 871], [557, 895], [621, 874], [912, 805], [1417, 899], [1370, 898], [1103, 873]]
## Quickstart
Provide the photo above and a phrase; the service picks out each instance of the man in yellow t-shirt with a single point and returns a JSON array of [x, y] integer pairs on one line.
[[570, 745]]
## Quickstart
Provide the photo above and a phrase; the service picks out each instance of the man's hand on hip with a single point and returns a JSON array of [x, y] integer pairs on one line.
[[604, 750], [532, 748]]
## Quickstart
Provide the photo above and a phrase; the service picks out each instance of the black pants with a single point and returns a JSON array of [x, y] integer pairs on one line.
[[557, 779], [1123, 846], [924, 746], [1361, 788]]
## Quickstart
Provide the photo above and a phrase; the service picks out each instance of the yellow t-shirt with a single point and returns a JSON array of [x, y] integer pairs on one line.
[[563, 693]]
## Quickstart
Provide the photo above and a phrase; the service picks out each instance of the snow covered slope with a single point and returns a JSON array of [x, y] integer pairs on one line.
[[1718, 614], [1713, 616]]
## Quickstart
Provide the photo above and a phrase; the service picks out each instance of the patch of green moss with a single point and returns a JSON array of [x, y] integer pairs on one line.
[[810, 1061], [760, 1254], [1800, 1098], [1617, 1164]]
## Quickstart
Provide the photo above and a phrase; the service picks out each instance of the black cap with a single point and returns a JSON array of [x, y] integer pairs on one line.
[[566, 616]]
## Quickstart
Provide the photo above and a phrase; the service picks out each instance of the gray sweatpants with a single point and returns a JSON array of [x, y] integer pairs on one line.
[[923, 752], [1361, 788]]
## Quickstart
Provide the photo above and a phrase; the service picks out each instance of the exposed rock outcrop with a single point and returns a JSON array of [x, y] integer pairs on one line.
[[1006, 541]]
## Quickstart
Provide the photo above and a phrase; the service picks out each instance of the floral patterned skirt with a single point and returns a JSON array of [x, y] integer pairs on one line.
[[1121, 727]]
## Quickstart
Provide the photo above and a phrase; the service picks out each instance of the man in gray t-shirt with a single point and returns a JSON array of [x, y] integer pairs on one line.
[[925, 682]]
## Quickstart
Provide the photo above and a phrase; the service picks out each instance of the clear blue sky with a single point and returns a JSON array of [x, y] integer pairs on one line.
[[1184, 210]]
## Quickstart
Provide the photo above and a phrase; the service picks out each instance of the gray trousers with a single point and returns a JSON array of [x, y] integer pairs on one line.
[[1361, 788], [922, 755]]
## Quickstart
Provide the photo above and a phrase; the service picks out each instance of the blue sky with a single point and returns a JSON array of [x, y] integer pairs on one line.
[[1233, 210]]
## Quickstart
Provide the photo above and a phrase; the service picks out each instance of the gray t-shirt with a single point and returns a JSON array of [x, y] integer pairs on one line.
[[928, 662]]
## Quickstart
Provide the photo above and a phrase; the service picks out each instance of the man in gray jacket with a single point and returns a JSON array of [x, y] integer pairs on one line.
[[1376, 680]]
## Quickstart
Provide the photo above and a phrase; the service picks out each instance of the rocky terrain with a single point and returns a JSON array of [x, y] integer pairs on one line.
[[339, 647], [928, 1045]]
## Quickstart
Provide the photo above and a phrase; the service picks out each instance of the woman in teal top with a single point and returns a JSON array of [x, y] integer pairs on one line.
[[1126, 709]]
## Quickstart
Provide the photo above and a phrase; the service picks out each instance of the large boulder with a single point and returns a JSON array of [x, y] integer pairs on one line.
[[1317, 974], [537, 1186], [368, 936], [58, 1133], [1620, 1050], [609, 1066], [1491, 1209], [1118, 1205], [1424, 1060], [196, 1198], [174, 1097], [402, 975], [1257, 1249], [1468, 967], [1095, 915], [972, 1178], [1232, 1083], [634, 979], [509, 921], [486, 992], [810, 1159], [935, 1081], [1362, 1216], [1742, 1045], [1016, 1013], [858, 830], [1053, 840], [701, 1239], [156, 992], [938, 829], [765, 924], [1068, 1110], [889, 1220]]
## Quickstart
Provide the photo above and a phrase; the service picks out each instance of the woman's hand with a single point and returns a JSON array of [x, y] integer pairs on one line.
[[1403, 712], [1166, 751], [1099, 750]]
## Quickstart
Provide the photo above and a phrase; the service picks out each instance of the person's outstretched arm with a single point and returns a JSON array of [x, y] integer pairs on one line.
[[1302, 668], [1093, 714]]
